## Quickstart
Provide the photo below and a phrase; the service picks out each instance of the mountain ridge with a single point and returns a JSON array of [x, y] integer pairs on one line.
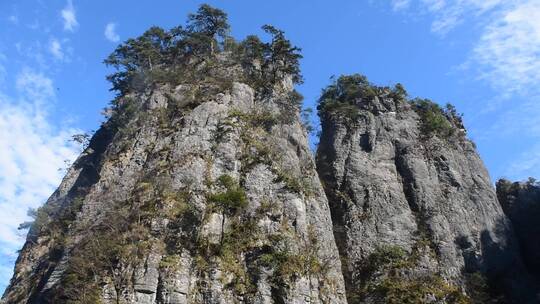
[[201, 188]]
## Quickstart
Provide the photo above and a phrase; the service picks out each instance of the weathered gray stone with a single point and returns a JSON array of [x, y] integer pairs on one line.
[[157, 164], [390, 185], [146, 277]]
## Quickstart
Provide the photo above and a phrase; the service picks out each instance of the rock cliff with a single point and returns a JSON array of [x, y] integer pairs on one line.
[[521, 203], [200, 188], [206, 206], [415, 214]]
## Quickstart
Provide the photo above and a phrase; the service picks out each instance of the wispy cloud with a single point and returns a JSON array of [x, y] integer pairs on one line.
[[400, 4], [35, 87], [31, 151], [447, 14], [55, 47], [110, 32], [69, 17], [508, 53]]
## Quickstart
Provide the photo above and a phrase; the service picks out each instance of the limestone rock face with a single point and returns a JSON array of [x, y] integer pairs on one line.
[[212, 199], [412, 209], [201, 188]]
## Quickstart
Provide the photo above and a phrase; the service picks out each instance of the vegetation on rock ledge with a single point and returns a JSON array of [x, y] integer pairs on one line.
[[388, 277], [203, 52], [349, 93]]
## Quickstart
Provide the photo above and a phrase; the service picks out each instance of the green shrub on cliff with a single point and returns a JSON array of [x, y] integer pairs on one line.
[[201, 52], [434, 119], [347, 95], [232, 199], [342, 96], [386, 278]]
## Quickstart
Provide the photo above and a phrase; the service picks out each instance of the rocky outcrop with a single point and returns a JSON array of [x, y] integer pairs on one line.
[[415, 214], [521, 203], [157, 191], [200, 188]]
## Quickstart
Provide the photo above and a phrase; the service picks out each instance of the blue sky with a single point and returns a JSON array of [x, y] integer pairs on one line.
[[481, 55]]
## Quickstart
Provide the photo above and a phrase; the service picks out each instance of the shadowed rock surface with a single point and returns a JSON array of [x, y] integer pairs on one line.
[[521, 203]]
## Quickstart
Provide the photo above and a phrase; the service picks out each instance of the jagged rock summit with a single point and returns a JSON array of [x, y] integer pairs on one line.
[[415, 214], [201, 188]]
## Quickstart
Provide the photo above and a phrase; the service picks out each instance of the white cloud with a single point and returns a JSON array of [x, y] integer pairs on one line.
[[400, 4], [55, 47], [447, 14], [69, 17], [110, 32], [508, 53], [31, 151], [451, 13], [437, 5], [35, 87]]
